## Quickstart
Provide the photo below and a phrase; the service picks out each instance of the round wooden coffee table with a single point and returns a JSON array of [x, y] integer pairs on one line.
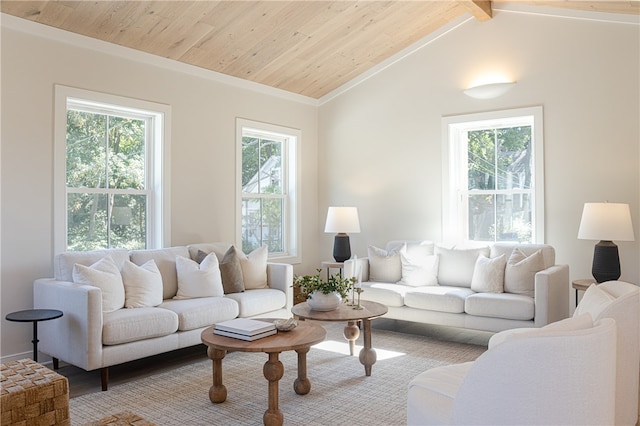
[[300, 339], [369, 311]]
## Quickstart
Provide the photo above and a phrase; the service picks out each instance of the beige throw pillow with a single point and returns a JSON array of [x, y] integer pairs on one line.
[[105, 275], [254, 268], [201, 280], [231, 271], [520, 272], [142, 284], [488, 274], [384, 266]]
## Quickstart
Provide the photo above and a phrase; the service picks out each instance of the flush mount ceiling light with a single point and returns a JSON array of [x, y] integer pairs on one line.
[[489, 91]]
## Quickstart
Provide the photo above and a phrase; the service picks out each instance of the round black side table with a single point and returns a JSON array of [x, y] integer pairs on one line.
[[34, 316]]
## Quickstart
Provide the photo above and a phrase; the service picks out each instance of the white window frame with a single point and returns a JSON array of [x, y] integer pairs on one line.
[[291, 184], [158, 170], [454, 205]]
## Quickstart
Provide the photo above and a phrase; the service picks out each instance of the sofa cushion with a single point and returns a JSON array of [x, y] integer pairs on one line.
[[419, 266], [63, 263], [130, 325], [166, 261], [437, 298], [231, 272], [201, 312], [500, 305], [488, 274], [105, 275], [520, 272], [198, 280], [142, 284], [258, 301], [254, 268], [384, 265], [389, 294], [455, 266]]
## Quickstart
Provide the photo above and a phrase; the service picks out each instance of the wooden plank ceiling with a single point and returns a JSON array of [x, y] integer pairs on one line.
[[301, 46]]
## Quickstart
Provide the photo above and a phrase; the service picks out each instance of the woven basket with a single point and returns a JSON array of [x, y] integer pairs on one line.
[[33, 395]]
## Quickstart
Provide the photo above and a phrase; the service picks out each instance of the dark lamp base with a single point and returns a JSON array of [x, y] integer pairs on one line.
[[606, 263], [341, 248]]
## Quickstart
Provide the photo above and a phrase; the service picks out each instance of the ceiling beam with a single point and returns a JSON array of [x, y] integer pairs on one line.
[[481, 10]]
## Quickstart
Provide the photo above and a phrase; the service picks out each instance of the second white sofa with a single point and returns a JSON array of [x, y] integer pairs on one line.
[[493, 287]]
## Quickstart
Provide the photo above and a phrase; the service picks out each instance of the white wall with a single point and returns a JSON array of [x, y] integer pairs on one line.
[[380, 142], [202, 153]]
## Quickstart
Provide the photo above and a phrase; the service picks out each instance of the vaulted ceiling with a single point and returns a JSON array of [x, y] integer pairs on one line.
[[301, 46]]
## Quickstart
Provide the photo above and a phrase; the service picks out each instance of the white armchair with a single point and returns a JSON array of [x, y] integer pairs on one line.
[[621, 301], [562, 374]]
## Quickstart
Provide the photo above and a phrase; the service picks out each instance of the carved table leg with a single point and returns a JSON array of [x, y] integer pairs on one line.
[[367, 353], [351, 333], [217, 392], [273, 371], [302, 385]]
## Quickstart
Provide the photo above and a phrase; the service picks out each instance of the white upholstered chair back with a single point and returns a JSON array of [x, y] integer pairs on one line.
[[542, 377], [624, 308]]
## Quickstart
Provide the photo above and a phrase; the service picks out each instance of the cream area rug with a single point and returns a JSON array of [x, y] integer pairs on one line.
[[340, 392]]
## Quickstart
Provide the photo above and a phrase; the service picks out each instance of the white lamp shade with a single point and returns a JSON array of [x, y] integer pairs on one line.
[[342, 220], [606, 221]]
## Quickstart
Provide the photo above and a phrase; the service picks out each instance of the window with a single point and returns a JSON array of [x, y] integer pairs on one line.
[[493, 177], [268, 188], [109, 172]]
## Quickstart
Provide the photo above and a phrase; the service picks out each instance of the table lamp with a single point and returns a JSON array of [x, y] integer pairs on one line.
[[342, 220], [606, 222]]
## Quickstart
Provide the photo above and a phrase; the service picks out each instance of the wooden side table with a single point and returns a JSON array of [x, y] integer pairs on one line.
[[581, 285], [330, 264]]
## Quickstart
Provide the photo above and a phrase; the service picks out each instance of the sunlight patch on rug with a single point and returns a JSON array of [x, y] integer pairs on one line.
[[343, 348]]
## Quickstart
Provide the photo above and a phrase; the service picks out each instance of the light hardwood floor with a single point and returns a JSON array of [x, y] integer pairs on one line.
[[82, 382]]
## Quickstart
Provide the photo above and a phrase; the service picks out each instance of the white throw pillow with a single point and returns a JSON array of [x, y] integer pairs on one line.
[[456, 266], [254, 268], [594, 301], [520, 272], [419, 266], [488, 274], [142, 284], [105, 275], [384, 266], [198, 280]]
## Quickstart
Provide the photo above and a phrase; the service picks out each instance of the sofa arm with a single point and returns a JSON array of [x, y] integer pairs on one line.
[[350, 271], [76, 337], [280, 276], [551, 295]]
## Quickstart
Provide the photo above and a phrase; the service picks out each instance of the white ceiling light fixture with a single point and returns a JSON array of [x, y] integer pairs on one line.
[[489, 91]]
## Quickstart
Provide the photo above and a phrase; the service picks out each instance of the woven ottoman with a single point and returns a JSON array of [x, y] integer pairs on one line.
[[33, 395]]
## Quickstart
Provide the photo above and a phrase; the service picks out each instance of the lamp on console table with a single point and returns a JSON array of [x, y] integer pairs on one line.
[[606, 222], [342, 220]]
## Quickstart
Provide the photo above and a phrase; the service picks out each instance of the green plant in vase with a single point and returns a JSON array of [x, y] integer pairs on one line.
[[308, 284]]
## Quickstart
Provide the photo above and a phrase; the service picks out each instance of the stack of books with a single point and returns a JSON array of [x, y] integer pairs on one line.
[[245, 329]]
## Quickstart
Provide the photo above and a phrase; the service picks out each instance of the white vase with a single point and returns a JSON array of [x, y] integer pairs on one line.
[[318, 301]]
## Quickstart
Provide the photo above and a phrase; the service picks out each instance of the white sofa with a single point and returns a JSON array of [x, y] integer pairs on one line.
[[489, 287], [89, 338]]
